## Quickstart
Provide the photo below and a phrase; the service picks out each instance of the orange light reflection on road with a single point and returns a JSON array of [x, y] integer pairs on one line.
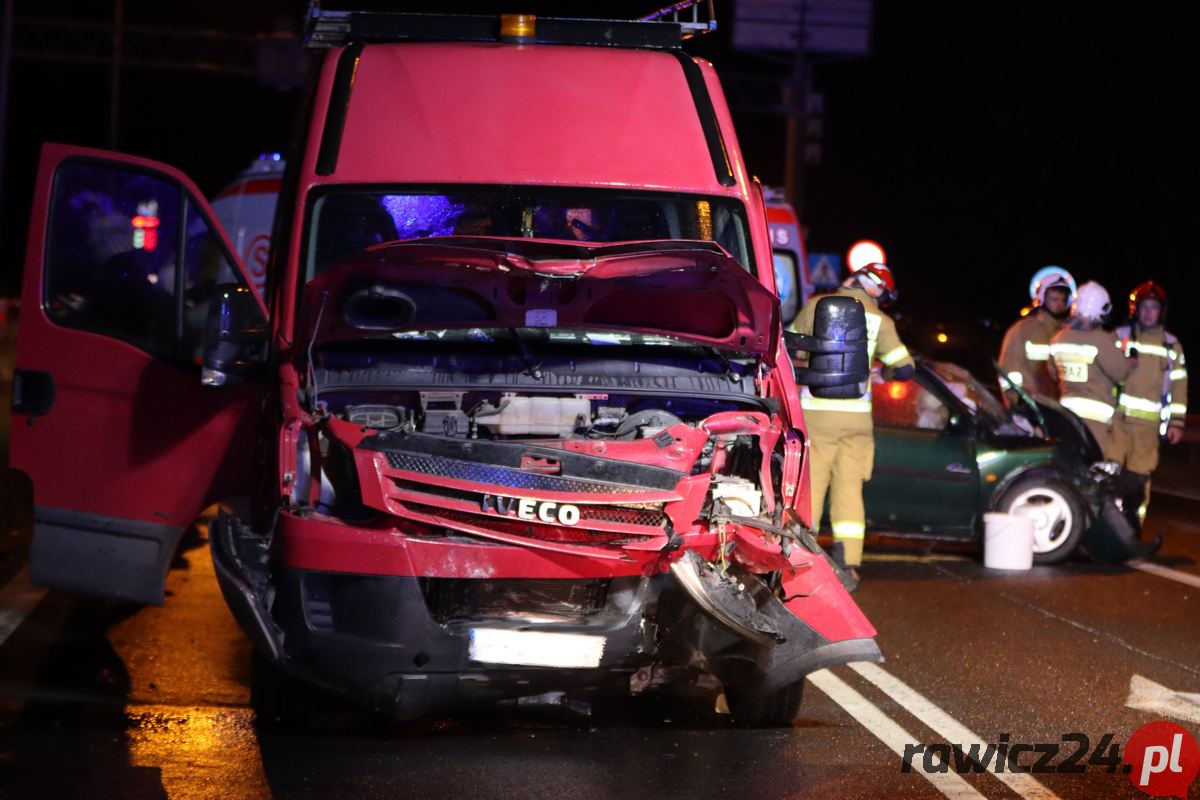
[[188, 707]]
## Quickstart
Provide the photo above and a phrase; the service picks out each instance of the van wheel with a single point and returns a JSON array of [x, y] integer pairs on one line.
[[1057, 513], [775, 710], [279, 698]]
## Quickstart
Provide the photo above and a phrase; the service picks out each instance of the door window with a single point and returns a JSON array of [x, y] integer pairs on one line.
[[908, 404], [111, 254], [129, 255]]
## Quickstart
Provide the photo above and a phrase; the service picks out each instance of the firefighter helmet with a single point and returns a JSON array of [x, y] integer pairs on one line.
[[1147, 291], [1092, 303], [879, 275], [1051, 278]]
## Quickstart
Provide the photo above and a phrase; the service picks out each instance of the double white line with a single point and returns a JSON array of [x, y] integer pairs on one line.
[[895, 737]]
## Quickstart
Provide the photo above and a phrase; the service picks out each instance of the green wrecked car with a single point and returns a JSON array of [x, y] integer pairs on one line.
[[947, 451]]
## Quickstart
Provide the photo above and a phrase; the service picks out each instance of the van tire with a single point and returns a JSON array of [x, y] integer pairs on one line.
[[279, 698], [774, 710]]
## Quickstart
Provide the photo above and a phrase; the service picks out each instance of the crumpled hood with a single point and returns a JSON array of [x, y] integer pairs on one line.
[[686, 289]]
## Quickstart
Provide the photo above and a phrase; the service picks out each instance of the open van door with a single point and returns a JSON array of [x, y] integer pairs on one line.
[[110, 420]]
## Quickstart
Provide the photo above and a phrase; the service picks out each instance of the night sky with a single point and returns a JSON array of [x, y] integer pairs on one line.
[[978, 142]]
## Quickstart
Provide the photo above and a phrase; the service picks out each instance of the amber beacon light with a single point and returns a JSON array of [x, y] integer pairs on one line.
[[519, 28]]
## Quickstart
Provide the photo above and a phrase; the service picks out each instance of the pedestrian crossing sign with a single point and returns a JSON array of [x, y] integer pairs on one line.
[[824, 270]]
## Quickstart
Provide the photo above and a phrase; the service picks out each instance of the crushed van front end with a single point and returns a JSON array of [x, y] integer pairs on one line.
[[492, 508]]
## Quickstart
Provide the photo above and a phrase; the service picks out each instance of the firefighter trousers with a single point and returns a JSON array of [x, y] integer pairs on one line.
[[840, 460], [1136, 444], [1136, 447]]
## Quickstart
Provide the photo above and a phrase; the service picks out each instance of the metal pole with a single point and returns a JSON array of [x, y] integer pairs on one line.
[[796, 100], [114, 76]]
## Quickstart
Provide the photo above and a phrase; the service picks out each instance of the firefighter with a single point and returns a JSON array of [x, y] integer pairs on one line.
[[841, 441], [1027, 342], [1090, 365], [1155, 393]]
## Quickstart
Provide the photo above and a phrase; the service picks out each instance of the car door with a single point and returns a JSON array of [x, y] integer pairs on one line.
[[123, 444], [925, 478]]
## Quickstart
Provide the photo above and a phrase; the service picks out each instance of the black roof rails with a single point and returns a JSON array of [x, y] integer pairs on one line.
[[664, 29]]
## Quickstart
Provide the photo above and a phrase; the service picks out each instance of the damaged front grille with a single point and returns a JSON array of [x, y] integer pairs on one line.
[[528, 530], [440, 467], [450, 599], [644, 514]]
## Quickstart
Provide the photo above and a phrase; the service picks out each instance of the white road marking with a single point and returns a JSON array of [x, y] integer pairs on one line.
[[887, 731], [17, 599], [917, 557], [1146, 695], [950, 729], [1166, 572]]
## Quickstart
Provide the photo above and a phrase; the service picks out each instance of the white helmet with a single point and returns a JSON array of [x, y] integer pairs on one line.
[[1044, 281], [1091, 303]]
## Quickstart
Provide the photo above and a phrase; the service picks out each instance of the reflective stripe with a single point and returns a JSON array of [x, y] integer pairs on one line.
[[1087, 408], [873, 323], [1087, 351], [849, 529], [1178, 374], [892, 356], [1178, 409], [1139, 403], [858, 406], [1036, 352], [1016, 378], [1153, 349]]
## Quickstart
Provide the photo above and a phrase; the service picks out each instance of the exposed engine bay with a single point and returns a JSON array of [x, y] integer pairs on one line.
[[683, 425], [506, 415]]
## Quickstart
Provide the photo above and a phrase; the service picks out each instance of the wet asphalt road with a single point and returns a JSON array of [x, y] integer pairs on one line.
[[102, 700]]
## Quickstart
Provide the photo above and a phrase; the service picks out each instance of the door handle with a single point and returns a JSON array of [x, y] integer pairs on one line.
[[32, 392], [958, 469]]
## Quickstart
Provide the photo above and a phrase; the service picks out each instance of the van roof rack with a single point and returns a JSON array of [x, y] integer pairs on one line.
[[664, 29]]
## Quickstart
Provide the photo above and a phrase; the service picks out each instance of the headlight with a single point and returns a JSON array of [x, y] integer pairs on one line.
[[1105, 469]]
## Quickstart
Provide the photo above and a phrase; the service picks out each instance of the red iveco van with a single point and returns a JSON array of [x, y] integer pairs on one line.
[[515, 413]]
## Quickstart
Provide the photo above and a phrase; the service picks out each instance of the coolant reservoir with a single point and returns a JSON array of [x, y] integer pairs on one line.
[[541, 416]]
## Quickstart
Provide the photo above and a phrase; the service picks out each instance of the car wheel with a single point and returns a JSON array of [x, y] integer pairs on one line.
[[1056, 511], [775, 710]]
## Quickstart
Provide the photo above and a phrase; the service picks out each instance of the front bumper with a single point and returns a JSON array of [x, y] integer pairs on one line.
[[402, 644]]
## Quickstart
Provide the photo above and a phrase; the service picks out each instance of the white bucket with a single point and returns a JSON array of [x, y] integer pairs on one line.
[[1007, 541]]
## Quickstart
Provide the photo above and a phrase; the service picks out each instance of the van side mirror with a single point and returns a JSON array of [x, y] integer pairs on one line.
[[837, 349], [236, 337]]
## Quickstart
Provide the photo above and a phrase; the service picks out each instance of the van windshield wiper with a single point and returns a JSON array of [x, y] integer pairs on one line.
[[730, 372], [533, 366]]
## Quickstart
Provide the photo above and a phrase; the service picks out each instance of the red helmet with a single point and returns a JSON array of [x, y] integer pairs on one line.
[[881, 276], [1147, 291]]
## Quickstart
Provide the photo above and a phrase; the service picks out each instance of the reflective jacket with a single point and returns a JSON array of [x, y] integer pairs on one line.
[[1156, 389], [1090, 366], [883, 344], [1025, 350]]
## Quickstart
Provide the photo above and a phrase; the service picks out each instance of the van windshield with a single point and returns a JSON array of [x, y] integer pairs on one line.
[[344, 221]]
